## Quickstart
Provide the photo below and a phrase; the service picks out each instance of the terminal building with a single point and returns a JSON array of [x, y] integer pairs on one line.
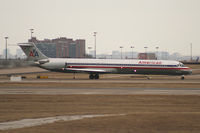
[[147, 56], [61, 47]]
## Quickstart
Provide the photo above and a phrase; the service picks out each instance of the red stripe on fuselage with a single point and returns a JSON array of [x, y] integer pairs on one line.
[[185, 68]]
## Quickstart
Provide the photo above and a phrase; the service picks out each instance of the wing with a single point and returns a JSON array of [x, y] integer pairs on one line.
[[91, 70]]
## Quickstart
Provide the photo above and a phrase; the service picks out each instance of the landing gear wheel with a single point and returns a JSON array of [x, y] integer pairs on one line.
[[96, 76], [91, 76]]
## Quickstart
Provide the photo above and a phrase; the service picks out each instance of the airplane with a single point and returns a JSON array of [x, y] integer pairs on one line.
[[94, 67]]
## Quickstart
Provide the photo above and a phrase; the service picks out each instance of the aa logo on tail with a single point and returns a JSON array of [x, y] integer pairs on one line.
[[34, 53]]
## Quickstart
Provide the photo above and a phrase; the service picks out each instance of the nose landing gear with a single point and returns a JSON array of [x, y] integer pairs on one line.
[[182, 77]]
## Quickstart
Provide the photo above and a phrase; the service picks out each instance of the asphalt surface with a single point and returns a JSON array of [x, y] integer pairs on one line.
[[110, 91], [96, 87], [77, 81]]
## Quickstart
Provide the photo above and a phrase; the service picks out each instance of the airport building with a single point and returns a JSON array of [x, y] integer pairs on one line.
[[61, 47], [146, 56]]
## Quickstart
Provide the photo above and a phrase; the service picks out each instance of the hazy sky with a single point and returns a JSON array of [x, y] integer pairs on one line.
[[169, 24]]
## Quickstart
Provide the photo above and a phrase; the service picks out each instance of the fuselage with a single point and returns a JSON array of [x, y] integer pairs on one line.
[[118, 66]]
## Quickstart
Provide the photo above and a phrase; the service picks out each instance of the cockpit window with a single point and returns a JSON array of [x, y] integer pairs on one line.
[[180, 65]]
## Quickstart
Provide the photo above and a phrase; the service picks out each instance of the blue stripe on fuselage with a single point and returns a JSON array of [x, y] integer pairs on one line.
[[104, 64]]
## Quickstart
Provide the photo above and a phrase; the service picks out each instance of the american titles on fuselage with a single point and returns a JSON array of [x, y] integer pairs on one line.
[[150, 62]]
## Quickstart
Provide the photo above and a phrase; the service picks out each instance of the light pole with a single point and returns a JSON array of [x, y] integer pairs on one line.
[[157, 52], [145, 49], [95, 33], [6, 54], [132, 50], [89, 50], [121, 50], [146, 56], [31, 32], [191, 50]]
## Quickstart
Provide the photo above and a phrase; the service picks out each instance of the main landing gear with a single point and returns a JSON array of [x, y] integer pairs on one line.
[[94, 76]]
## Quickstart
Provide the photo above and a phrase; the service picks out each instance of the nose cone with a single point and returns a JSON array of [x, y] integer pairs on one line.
[[187, 71]]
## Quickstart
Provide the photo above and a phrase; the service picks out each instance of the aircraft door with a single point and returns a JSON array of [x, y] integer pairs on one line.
[[65, 65]]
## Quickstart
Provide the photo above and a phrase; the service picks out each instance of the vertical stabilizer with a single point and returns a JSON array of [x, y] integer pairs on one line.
[[32, 52]]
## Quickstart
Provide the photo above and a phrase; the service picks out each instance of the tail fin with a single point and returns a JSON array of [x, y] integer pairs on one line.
[[32, 52]]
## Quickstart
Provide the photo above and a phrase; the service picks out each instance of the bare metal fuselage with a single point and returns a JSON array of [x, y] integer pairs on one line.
[[117, 66]]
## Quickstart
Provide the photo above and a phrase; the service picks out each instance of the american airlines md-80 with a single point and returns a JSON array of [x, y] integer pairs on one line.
[[94, 67]]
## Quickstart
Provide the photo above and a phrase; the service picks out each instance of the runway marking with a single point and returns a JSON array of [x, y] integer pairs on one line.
[[114, 91], [41, 121], [105, 81]]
